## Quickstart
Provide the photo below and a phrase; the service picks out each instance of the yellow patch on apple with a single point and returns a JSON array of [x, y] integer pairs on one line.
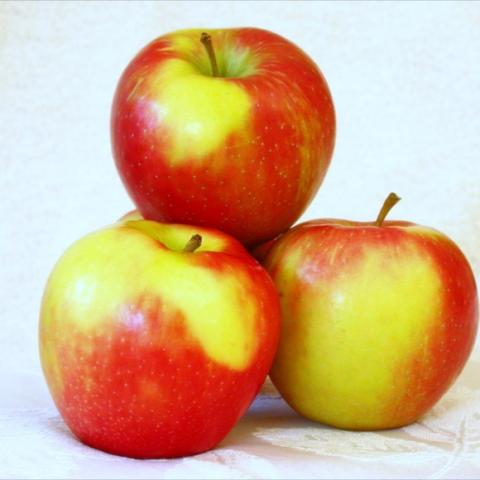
[[93, 290], [191, 106], [336, 324]]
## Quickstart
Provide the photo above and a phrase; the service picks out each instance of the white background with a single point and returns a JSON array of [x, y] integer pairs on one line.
[[405, 79]]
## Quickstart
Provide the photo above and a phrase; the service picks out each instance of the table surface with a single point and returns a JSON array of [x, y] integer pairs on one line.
[[271, 441]]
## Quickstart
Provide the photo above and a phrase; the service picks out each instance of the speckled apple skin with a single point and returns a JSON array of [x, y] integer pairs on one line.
[[244, 153], [150, 352], [377, 322]]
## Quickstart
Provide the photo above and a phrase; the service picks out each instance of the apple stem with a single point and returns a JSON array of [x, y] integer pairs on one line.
[[206, 40], [193, 244], [388, 204]]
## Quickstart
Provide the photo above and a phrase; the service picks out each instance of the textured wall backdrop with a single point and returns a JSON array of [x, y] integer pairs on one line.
[[405, 79]]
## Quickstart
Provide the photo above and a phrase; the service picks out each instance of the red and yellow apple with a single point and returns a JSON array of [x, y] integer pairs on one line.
[[233, 131], [378, 319], [155, 338]]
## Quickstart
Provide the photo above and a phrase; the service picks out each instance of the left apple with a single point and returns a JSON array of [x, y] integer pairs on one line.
[[155, 338]]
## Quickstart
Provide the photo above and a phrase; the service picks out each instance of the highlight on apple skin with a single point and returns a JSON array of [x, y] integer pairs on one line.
[[243, 148], [378, 320], [155, 338]]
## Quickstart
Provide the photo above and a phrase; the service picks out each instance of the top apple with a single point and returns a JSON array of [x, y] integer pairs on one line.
[[233, 129]]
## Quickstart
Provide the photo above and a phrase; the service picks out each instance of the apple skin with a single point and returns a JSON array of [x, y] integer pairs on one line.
[[152, 352], [244, 152], [259, 252], [377, 322]]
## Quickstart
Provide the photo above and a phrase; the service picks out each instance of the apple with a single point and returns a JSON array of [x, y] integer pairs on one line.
[[260, 251], [131, 215], [233, 129], [378, 319], [155, 338]]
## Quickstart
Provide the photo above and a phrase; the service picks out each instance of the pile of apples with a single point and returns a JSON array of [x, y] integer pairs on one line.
[[157, 332]]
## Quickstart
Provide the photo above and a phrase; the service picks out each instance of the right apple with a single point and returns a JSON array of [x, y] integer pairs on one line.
[[378, 319]]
